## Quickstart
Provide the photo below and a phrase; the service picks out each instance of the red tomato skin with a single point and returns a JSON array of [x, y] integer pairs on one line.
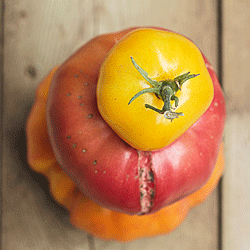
[[189, 161], [102, 165]]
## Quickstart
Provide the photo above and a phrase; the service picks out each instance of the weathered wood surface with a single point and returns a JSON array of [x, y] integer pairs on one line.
[[41, 34], [236, 185]]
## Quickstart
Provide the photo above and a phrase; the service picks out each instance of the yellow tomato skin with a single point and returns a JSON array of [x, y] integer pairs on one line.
[[163, 55]]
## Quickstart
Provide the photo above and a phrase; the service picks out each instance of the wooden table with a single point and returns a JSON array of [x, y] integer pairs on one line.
[[40, 34]]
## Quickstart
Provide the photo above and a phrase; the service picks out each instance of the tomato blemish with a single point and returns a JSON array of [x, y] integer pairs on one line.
[[146, 181]]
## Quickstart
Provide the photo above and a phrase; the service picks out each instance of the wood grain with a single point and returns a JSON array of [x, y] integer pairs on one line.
[[1, 111], [38, 35], [41, 34], [236, 185]]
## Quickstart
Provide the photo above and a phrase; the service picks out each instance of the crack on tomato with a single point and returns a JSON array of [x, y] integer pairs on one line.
[[146, 181]]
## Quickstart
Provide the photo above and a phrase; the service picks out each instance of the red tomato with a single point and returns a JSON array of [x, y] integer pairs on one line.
[[103, 166]]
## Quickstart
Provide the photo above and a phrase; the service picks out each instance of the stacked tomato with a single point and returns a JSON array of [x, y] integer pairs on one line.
[[128, 130]]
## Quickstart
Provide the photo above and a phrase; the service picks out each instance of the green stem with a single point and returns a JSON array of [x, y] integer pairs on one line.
[[165, 90], [144, 74], [149, 90]]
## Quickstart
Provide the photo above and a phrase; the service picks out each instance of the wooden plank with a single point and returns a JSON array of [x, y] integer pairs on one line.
[[40, 34], [236, 185], [1, 109]]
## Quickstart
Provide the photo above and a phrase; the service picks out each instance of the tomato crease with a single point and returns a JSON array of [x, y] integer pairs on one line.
[[146, 181]]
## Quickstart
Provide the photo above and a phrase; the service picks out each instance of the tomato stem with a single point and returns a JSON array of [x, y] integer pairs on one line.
[[165, 90]]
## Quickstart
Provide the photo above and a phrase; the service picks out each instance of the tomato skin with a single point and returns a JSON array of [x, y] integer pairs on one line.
[[105, 167], [163, 55], [88, 150], [191, 158]]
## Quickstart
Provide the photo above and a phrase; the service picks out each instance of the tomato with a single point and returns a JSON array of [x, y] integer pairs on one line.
[[165, 59], [107, 169], [84, 213]]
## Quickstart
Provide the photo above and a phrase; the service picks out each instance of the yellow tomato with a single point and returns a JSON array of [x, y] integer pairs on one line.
[[158, 57]]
